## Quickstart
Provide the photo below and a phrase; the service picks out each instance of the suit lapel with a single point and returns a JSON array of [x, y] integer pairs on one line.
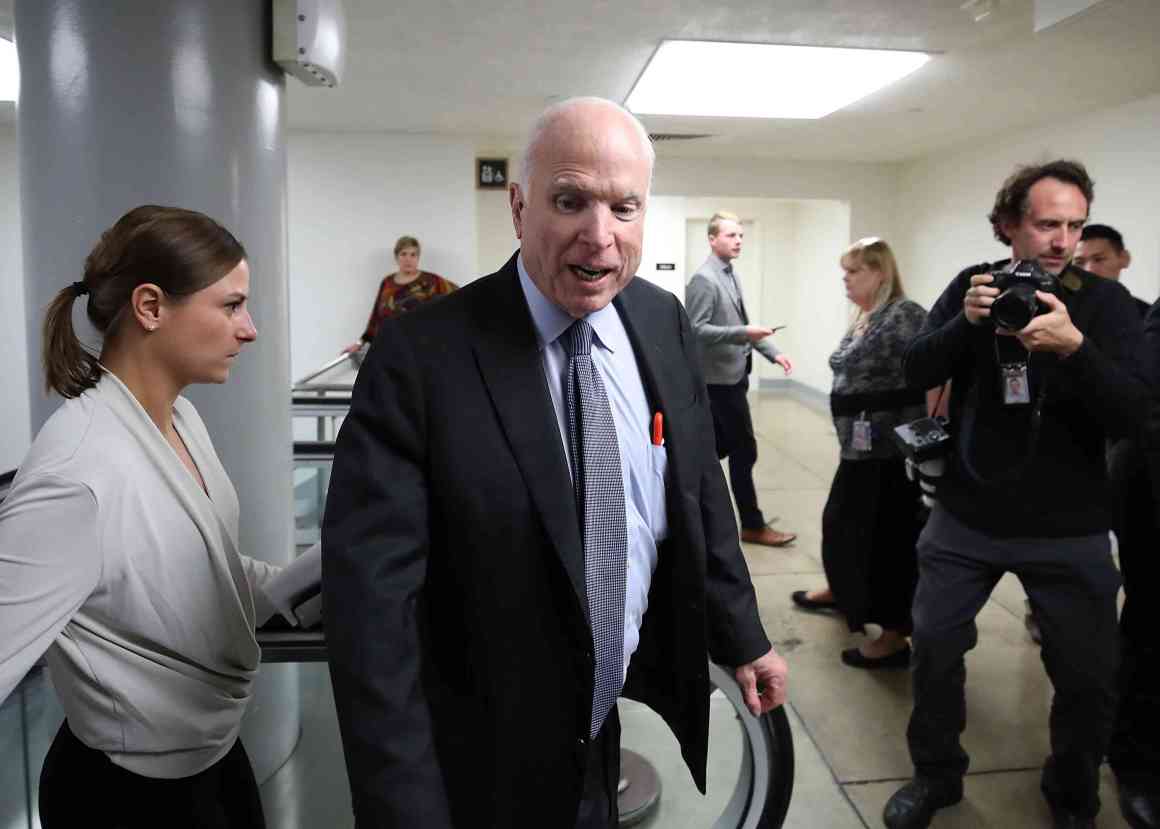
[[657, 370], [729, 285], [510, 362]]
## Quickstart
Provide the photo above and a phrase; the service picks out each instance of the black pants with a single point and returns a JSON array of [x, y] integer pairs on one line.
[[869, 530], [598, 807], [80, 786], [733, 429], [1135, 748], [1072, 582]]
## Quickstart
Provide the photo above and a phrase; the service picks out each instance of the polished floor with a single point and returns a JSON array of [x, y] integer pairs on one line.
[[849, 725]]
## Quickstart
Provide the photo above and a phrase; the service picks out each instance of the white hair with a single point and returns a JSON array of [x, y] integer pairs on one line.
[[546, 118]]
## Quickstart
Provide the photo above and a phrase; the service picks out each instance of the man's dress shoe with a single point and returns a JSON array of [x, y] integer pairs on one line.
[[1139, 805], [767, 536], [913, 806]]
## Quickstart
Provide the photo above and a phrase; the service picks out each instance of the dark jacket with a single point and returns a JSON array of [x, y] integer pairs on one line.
[[1096, 393], [453, 571]]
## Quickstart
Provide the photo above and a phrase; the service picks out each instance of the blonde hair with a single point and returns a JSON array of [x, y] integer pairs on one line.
[[721, 216], [876, 255]]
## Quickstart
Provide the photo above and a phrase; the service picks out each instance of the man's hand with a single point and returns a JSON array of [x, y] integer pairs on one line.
[[352, 348], [756, 333], [979, 298], [767, 673], [1053, 331], [785, 363]]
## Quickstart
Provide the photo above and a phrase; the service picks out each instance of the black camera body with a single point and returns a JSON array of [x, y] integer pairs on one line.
[[1016, 305], [924, 439]]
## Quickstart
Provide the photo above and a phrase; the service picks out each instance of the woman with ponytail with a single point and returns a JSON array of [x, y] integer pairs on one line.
[[118, 540]]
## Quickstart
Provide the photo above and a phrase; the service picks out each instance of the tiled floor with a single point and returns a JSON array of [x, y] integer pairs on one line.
[[850, 725]]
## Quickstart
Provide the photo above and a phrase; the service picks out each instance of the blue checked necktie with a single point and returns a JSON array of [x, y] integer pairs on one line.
[[599, 490]]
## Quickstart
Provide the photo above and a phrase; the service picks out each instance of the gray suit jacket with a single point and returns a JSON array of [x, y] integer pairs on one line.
[[717, 311]]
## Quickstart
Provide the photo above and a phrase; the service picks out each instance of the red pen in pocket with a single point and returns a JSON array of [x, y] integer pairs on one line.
[[658, 430]]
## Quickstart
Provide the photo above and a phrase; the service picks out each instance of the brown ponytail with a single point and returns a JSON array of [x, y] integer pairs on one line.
[[69, 367], [180, 251]]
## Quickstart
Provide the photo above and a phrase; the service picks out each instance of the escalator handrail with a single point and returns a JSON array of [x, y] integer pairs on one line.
[[6, 482], [319, 372], [324, 402], [355, 357], [313, 450], [764, 790]]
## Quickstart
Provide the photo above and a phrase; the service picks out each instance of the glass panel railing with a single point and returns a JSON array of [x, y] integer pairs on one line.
[[320, 400], [750, 763], [29, 718]]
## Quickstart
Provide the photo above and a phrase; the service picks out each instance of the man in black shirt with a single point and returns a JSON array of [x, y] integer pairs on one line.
[[1134, 751], [1026, 491]]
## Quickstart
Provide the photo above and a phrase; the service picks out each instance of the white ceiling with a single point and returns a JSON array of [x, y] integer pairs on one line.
[[446, 66], [463, 67]]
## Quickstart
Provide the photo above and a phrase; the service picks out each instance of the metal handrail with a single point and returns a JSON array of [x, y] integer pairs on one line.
[[313, 450], [761, 797], [355, 357]]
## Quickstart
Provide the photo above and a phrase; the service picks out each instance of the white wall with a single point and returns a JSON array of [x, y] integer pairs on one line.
[[787, 238], [350, 197], [869, 189], [823, 207], [818, 308], [14, 393], [944, 200]]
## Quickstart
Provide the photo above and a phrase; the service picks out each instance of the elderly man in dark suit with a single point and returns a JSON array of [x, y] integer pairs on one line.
[[727, 341], [527, 518]]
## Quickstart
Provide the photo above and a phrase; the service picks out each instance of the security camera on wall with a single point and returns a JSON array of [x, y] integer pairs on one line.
[[310, 40]]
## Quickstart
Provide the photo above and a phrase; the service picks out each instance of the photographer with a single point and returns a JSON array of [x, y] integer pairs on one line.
[[1025, 488]]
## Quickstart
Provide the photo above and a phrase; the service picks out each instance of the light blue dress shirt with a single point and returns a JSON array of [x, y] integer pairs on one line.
[[642, 465]]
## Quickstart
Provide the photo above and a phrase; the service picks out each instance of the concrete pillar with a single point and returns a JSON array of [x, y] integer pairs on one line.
[[126, 102]]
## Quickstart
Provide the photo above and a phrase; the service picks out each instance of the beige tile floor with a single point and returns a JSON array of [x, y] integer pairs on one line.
[[850, 725]]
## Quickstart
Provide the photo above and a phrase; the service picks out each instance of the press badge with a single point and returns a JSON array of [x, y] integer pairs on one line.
[[1016, 390], [861, 439]]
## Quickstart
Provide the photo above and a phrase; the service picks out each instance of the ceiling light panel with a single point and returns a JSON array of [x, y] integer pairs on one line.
[[9, 71], [759, 80]]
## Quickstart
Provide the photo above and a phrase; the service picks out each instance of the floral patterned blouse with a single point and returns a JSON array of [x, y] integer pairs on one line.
[[394, 299], [869, 361]]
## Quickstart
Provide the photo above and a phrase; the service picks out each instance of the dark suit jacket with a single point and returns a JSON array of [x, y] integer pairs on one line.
[[453, 570]]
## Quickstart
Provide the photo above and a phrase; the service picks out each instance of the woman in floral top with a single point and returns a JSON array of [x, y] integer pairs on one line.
[[404, 290], [870, 523]]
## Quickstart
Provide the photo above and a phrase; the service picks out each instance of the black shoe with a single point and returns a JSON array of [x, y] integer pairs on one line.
[[802, 599], [913, 806], [856, 659], [1140, 805], [1063, 819]]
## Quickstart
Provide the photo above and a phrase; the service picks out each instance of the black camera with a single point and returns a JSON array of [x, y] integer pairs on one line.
[[1016, 304], [923, 440]]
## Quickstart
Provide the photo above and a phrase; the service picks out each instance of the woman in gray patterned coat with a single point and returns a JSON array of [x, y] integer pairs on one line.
[[870, 523]]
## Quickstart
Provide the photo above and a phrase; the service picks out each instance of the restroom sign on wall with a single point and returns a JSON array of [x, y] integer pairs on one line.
[[491, 173]]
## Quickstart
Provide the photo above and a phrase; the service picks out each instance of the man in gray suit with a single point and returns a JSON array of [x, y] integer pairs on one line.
[[716, 309]]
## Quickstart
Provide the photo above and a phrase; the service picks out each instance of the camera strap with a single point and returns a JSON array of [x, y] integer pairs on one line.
[[1016, 472]]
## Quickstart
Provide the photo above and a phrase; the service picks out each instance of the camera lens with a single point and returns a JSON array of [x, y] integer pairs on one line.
[[1014, 308]]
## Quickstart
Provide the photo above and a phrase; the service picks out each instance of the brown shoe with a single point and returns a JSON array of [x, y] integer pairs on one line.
[[768, 537]]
